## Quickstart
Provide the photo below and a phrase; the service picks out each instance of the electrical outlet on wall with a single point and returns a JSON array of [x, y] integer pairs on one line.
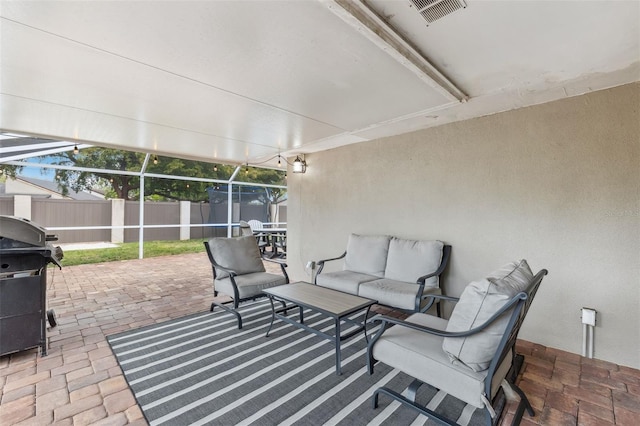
[[589, 316]]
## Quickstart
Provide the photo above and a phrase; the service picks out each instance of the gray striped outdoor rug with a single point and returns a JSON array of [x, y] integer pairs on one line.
[[201, 370]]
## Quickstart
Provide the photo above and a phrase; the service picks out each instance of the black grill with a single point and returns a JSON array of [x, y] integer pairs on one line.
[[25, 252]]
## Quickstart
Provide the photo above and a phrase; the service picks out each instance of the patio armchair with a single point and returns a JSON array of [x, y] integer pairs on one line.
[[238, 271], [468, 356]]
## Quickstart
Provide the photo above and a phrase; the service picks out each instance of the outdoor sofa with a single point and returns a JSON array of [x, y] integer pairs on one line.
[[397, 272]]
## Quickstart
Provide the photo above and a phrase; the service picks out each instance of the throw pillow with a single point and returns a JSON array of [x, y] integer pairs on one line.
[[478, 302], [240, 254]]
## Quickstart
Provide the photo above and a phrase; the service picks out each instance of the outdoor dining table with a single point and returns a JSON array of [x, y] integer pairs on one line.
[[272, 231]]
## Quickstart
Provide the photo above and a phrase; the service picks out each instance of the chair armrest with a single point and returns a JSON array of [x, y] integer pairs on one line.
[[433, 299], [440, 297], [321, 263], [283, 265], [395, 321], [277, 261], [446, 252], [231, 272]]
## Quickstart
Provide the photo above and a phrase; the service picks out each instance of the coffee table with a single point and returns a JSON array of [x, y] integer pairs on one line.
[[332, 303]]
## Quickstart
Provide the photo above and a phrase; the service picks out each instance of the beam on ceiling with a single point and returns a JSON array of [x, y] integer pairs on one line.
[[366, 21]]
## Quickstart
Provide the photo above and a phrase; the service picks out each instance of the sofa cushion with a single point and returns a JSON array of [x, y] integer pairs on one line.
[[478, 302], [409, 260], [367, 254], [240, 254], [346, 281], [388, 292]]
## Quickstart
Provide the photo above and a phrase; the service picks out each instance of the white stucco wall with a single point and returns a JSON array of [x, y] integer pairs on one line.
[[557, 184]]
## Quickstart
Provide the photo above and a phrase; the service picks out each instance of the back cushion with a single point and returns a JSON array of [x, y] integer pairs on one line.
[[408, 260], [367, 254], [478, 302], [241, 255]]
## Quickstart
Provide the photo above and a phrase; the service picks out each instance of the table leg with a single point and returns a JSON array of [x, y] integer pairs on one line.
[[338, 360], [364, 324], [273, 315]]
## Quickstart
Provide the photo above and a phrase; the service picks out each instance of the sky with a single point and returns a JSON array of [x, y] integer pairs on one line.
[[38, 173]]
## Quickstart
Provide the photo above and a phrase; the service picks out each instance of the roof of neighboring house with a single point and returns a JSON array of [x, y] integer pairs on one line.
[[53, 187]]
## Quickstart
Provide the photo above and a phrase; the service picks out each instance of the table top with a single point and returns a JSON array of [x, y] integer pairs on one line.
[[323, 299], [270, 230]]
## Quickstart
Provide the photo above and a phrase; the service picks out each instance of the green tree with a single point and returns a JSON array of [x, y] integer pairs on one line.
[[7, 170], [127, 187]]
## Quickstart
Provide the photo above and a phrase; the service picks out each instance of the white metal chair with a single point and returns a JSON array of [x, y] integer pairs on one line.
[[256, 226]]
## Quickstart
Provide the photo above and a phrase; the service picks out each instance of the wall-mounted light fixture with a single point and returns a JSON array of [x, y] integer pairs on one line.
[[299, 165]]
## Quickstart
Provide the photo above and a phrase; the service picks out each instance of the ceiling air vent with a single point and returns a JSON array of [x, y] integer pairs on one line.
[[432, 10]]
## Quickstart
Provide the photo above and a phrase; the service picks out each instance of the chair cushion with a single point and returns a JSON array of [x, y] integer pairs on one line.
[[419, 355], [249, 285], [241, 255], [478, 302], [345, 281], [409, 260], [391, 293], [367, 254]]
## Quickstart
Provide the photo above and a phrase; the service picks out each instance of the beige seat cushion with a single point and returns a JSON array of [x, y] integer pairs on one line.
[[393, 293], [249, 285], [420, 355], [478, 302], [346, 281]]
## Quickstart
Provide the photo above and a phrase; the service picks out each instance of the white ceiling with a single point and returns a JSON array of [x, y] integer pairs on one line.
[[241, 81]]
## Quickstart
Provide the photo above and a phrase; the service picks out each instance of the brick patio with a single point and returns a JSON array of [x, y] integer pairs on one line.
[[79, 382]]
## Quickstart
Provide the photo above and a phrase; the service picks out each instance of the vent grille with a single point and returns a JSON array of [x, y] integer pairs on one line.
[[432, 10]]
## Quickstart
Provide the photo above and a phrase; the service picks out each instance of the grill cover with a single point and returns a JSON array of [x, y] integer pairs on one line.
[[24, 255]]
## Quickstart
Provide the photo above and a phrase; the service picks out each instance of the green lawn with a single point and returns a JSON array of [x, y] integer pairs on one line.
[[127, 251]]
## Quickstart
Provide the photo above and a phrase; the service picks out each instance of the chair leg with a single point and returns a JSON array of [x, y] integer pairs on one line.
[[228, 309], [412, 390], [438, 311], [524, 404], [437, 418]]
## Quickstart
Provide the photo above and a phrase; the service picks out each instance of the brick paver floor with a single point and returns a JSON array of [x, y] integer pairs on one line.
[[79, 382]]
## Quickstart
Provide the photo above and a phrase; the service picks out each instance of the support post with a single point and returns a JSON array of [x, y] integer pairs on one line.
[[117, 220], [185, 220], [22, 206]]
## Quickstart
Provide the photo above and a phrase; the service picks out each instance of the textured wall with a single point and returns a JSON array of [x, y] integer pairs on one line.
[[557, 184]]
